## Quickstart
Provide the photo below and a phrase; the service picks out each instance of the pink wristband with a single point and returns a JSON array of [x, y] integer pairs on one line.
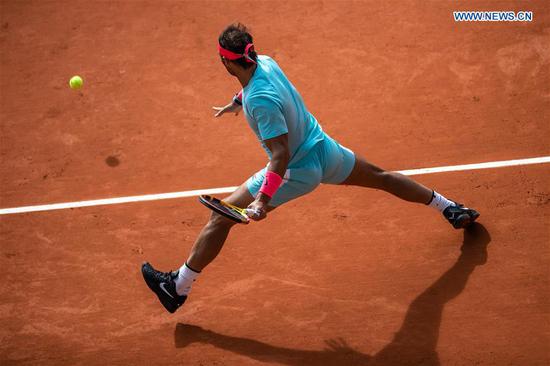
[[271, 183]]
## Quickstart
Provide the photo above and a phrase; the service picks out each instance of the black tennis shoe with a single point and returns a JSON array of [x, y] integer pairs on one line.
[[163, 284], [460, 216]]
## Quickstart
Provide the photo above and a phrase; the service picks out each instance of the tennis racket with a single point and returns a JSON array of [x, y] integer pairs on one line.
[[225, 209]]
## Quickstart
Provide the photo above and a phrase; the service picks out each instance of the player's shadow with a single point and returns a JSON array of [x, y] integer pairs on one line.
[[414, 344]]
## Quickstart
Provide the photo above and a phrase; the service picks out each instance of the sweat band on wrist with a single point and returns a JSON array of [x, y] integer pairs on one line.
[[272, 182], [238, 98]]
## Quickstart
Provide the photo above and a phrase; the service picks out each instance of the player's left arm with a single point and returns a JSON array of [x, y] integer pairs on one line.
[[280, 156], [266, 109]]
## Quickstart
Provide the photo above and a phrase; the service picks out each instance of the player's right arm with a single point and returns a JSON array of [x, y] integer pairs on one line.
[[235, 106]]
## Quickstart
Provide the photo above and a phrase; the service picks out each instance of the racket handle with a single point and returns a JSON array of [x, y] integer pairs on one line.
[[252, 213]]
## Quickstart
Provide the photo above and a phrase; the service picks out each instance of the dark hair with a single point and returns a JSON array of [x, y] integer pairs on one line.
[[234, 38]]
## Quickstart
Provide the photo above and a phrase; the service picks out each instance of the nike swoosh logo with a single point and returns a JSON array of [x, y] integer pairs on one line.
[[165, 290]]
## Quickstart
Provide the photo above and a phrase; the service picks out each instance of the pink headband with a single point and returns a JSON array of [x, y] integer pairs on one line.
[[235, 56]]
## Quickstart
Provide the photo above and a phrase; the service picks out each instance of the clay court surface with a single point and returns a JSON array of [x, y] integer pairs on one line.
[[343, 276]]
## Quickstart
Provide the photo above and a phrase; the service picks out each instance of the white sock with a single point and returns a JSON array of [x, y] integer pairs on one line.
[[439, 202], [185, 279]]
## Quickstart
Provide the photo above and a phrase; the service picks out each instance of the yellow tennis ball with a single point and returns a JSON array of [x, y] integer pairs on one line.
[[76, 82]]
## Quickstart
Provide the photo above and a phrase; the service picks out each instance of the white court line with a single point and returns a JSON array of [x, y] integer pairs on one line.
[[163, 196]]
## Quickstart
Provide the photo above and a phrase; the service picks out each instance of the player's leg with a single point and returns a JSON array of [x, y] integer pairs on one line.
[[298, 181], [213, 235], [172, 288], [342, 166], [365, 174], [215, 232]]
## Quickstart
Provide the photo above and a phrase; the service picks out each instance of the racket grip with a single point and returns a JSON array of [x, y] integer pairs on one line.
[[252, 213]]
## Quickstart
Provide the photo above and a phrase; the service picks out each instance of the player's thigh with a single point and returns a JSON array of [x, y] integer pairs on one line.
[[301, 182], [297, 182], [241, 197], [365, 174], [337, 161]]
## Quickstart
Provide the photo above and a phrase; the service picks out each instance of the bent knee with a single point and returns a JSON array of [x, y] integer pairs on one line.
[[217, 220]]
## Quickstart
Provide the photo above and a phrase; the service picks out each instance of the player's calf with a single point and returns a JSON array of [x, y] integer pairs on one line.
[[365, 174]]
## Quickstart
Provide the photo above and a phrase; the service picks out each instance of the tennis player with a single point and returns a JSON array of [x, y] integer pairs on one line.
[[301, 156]]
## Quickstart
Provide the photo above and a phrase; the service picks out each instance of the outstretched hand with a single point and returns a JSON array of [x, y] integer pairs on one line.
[[231, 107]]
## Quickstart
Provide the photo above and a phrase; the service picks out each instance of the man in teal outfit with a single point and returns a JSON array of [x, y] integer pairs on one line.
[[301, 156]]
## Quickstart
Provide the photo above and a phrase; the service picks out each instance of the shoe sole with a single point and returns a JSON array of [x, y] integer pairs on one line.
[[153, 286]]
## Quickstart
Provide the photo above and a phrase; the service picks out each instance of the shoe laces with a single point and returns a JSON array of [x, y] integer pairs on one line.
[[164, 276], [167, 275]]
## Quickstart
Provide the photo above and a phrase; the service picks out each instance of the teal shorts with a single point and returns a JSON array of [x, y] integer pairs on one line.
[[328, 162]]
